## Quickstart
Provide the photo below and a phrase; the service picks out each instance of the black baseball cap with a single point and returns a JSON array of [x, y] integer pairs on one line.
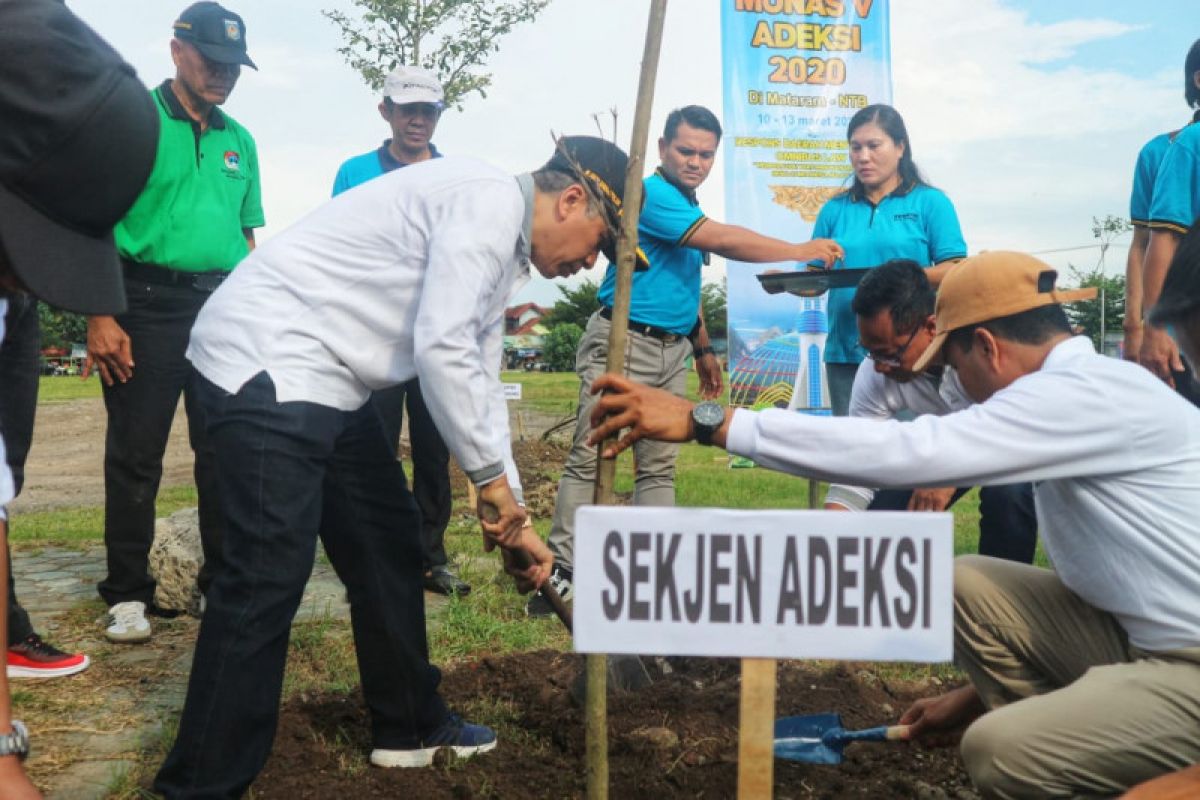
[[600, 166], [78, 135], [218, 33]]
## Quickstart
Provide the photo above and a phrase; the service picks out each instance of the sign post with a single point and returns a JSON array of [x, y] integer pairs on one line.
[[756, 729]]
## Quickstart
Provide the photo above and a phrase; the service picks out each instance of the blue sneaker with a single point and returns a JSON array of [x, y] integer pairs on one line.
[[464, 738]]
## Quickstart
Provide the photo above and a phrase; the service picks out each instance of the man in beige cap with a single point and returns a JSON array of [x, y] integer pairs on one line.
[[1085, 680]]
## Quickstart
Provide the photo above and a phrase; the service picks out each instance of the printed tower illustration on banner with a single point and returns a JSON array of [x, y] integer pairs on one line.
[[786, 371]]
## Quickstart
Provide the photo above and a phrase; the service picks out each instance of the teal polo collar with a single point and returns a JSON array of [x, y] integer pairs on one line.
[[689, 194], [856, 193], [388, 162], [176, 110]]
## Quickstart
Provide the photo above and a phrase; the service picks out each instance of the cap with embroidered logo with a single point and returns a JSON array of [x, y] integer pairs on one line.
[[405, 85], [218, 33], [600, 166], [992, 285]]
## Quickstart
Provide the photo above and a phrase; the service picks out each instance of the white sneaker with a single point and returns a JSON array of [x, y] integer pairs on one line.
[[127, 623]]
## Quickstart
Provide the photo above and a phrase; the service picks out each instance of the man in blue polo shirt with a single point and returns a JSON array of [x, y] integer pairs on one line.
[[412, 104], [674, 234], [1174, 208]]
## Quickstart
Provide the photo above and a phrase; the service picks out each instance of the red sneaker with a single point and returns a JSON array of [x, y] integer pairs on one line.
[[34, 658]]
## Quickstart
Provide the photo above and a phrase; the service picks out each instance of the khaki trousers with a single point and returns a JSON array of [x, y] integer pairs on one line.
[[647, 360], [1075, 711]]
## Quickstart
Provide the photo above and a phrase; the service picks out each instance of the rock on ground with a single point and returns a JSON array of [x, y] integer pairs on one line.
[[175, 560]]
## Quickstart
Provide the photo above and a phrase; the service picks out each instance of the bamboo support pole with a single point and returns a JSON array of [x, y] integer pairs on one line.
[[597, 679]]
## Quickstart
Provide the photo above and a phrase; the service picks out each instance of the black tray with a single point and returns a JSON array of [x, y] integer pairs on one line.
[[812, 283]]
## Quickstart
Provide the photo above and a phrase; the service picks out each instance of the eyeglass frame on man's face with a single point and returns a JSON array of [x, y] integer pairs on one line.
[[896, 359], [425, 109]]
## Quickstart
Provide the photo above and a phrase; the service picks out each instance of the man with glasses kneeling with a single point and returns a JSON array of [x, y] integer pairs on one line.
[[893, 307]]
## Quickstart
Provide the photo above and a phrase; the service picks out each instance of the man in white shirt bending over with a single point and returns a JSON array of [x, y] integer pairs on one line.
[[1085, 680], [408, 275], [893, 307]]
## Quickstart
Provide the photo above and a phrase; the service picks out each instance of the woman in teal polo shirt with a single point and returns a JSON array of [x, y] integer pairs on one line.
[[888, 212]]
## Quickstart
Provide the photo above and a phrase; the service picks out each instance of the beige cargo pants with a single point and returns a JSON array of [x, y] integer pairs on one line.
[[1075, 710]]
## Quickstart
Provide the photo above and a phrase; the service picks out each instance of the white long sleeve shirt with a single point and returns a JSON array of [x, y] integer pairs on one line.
[[404, 275], [1114, 453], [875, 396]]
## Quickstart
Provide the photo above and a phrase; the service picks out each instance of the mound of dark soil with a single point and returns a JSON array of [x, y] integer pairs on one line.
[[676, 739]]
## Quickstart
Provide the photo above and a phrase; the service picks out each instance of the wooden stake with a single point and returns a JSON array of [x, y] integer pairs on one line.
[[812, 494], [597, 664], [756, 735]]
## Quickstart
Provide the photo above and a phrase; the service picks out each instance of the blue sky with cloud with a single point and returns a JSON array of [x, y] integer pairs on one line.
[[1028, 113]]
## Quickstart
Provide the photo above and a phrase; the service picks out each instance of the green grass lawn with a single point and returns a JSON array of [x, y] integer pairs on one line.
[[65, 388], [704, 477], [83, 525], [703, 474]]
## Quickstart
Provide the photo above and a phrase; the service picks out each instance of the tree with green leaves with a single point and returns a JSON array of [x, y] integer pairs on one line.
[[712, 297], [1087, 314], [559, 346], [61, 328], [576, 305], [1106, 313], [451, 38]]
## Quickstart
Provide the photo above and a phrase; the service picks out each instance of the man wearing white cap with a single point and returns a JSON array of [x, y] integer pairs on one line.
[[412, 104], [1085, 679]]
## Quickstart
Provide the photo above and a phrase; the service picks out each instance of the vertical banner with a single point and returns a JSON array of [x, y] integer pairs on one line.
[[795, 72]]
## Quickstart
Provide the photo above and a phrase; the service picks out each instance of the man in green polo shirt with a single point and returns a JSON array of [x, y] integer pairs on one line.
[[191, 225]]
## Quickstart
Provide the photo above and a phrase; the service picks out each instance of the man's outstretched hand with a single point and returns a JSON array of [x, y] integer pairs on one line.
[[648, 414]]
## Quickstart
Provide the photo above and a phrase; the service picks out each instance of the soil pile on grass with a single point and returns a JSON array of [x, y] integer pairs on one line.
[[676, 739]]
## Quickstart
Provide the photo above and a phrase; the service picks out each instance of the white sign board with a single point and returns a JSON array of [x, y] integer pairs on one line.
[[512, 391], [872, 586]]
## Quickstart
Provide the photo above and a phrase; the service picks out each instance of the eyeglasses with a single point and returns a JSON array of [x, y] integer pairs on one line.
[[896, 358], [428, 110]]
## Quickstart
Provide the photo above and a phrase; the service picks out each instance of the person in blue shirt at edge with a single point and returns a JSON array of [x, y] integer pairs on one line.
[[1174, 204], [1145, 171], [665, 324], [888, 212], [413, 100]]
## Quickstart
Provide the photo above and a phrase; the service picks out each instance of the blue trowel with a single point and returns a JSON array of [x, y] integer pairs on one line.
[[819, 738]]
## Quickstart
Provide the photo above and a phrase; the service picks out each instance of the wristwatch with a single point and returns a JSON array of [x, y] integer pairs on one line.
[[707, 418], [15, 743]]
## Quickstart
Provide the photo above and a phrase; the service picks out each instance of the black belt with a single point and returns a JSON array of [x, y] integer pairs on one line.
[[153, 273], [646, 330]]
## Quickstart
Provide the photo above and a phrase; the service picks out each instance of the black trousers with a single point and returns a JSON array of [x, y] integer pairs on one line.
[[1007, 518], [140, 412], [1187, 385], [19, 361], [431, 463], [291, 472]]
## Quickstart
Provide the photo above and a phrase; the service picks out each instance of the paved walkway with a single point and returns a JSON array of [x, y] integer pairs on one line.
[[52, 580], [146, 683]]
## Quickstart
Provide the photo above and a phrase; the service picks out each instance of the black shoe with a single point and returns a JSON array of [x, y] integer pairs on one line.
[[160, 612], [443, 581], [560, 579]]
